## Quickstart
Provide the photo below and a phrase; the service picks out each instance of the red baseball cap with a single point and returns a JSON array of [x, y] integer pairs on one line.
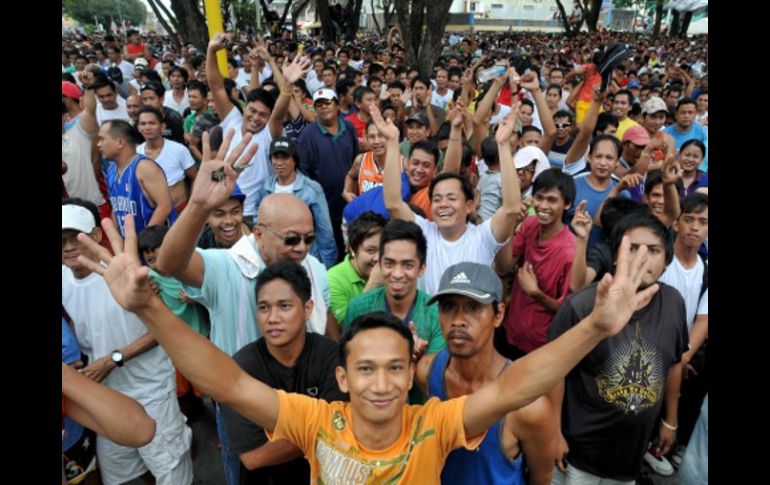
[[70, 90]]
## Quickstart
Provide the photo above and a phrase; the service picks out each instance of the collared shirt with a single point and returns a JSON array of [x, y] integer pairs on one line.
[[344, 284], [327, 159]]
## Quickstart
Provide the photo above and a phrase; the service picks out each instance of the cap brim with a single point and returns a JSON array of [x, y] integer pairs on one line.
[[483, 298]]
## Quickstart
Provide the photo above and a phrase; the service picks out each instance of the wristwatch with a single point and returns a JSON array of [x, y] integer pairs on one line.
[[117, 358]]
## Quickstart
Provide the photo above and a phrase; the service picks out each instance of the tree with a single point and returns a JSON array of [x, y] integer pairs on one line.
[[645, 5], [328, 29], [388, 9], [337, 20], [84, 11], [590, 10], [569, 28], [192, 26], [422, 24]]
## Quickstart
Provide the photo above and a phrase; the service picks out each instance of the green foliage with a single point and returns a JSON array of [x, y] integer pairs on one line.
[[84, 11]]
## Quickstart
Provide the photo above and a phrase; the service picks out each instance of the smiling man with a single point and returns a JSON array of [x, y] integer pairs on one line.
[[543, 249], [375, 438], [451, 237], [286, 357]]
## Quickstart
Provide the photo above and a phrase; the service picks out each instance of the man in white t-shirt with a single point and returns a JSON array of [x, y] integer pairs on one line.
[[687, 273], [262, 117], [115, 56], [110, 106], [174, 158], [442, 95], [124, 357], [451, 238]]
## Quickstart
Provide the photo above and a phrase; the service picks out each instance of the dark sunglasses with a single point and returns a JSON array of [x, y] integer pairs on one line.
[[290, 241], [563, 125]]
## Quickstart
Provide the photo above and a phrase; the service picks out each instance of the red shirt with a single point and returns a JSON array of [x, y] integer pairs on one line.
[[526, 321], [359, 125]]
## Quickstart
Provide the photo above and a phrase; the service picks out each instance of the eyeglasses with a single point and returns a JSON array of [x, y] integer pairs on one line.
[[290, 241], [563, 125], [529, 169]]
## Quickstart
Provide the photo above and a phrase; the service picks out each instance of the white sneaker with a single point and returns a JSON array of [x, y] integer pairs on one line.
[[661, 465]]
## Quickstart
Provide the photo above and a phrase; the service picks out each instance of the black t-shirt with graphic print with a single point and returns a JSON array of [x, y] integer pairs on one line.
[[613, 397]]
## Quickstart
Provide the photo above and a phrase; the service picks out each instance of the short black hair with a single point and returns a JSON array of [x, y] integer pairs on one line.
[[636, 219], [363, 227], [101, 81], [653, 178], [695, 142], [397, 84], [694, 203], [343, 86], [563, 113], [153, 86], [426, 146], [359, 92], [421, 78], [549, 179], [614, 209], [123, 129], [150, 109], [370, 321], [465, 184], [151, 75], [400, 230], [685, 101], [604, 120], [290, 272], [199, 86], [182, 72], [262, 96], [151, 237], [610, 138], [489, 152], [530, 128]]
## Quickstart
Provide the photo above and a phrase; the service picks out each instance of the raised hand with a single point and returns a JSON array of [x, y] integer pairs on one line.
[[530, 82], [387, 129], [420, 345], [219, 41], [631, 180], [672, 171], [457, 114], [617, 297], [505, 129], [128, 280], [581, 223], [296, 69], [216, 176]]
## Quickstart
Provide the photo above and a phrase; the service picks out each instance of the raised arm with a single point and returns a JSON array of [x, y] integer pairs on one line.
[[391, 176], [583, 139], [539, 371], [290, 74], [672, 173], [177, 256], [207, 367], [581, 227], [531, 83], [214, 77], [88, 116], [106, 411], [506, 217], [454, 150], [484, 108]]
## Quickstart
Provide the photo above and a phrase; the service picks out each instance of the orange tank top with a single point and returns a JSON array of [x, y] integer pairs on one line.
[[370, 173], [421, 199]]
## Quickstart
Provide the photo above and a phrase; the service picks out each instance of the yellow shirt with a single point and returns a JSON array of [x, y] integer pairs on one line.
[[324, 433], [623, 126]]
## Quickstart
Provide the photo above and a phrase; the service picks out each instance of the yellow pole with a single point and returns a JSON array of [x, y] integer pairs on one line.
[[214, 21]]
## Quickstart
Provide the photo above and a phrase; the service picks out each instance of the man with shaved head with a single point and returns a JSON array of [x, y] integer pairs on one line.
[[224, 280]]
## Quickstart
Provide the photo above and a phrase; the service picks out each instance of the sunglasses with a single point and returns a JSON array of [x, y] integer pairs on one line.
[[290, 241], [563, 125]]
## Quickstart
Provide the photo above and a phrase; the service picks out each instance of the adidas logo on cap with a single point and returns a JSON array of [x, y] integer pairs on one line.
[[460, 278]]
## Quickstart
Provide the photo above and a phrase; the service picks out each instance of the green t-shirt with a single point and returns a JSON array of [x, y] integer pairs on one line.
[[193, 314], [344, 284], [424, 316]]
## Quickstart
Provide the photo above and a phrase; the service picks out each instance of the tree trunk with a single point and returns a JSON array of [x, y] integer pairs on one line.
[[294, 14], [166, 25], [658, 18], [374, 17], [565, 20], [351, 19], [674, 27], [192, 23], [328, 32], [685, 24], [594, 9], [424, 31]]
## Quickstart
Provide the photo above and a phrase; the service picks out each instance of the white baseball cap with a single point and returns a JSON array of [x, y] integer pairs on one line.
[[525, 156], [78, 218], [325, 93]]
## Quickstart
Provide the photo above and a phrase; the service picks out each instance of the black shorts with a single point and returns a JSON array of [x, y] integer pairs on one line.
[[80, 459]]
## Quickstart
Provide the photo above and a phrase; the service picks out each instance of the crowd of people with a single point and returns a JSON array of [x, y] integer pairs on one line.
[[493, 271]]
